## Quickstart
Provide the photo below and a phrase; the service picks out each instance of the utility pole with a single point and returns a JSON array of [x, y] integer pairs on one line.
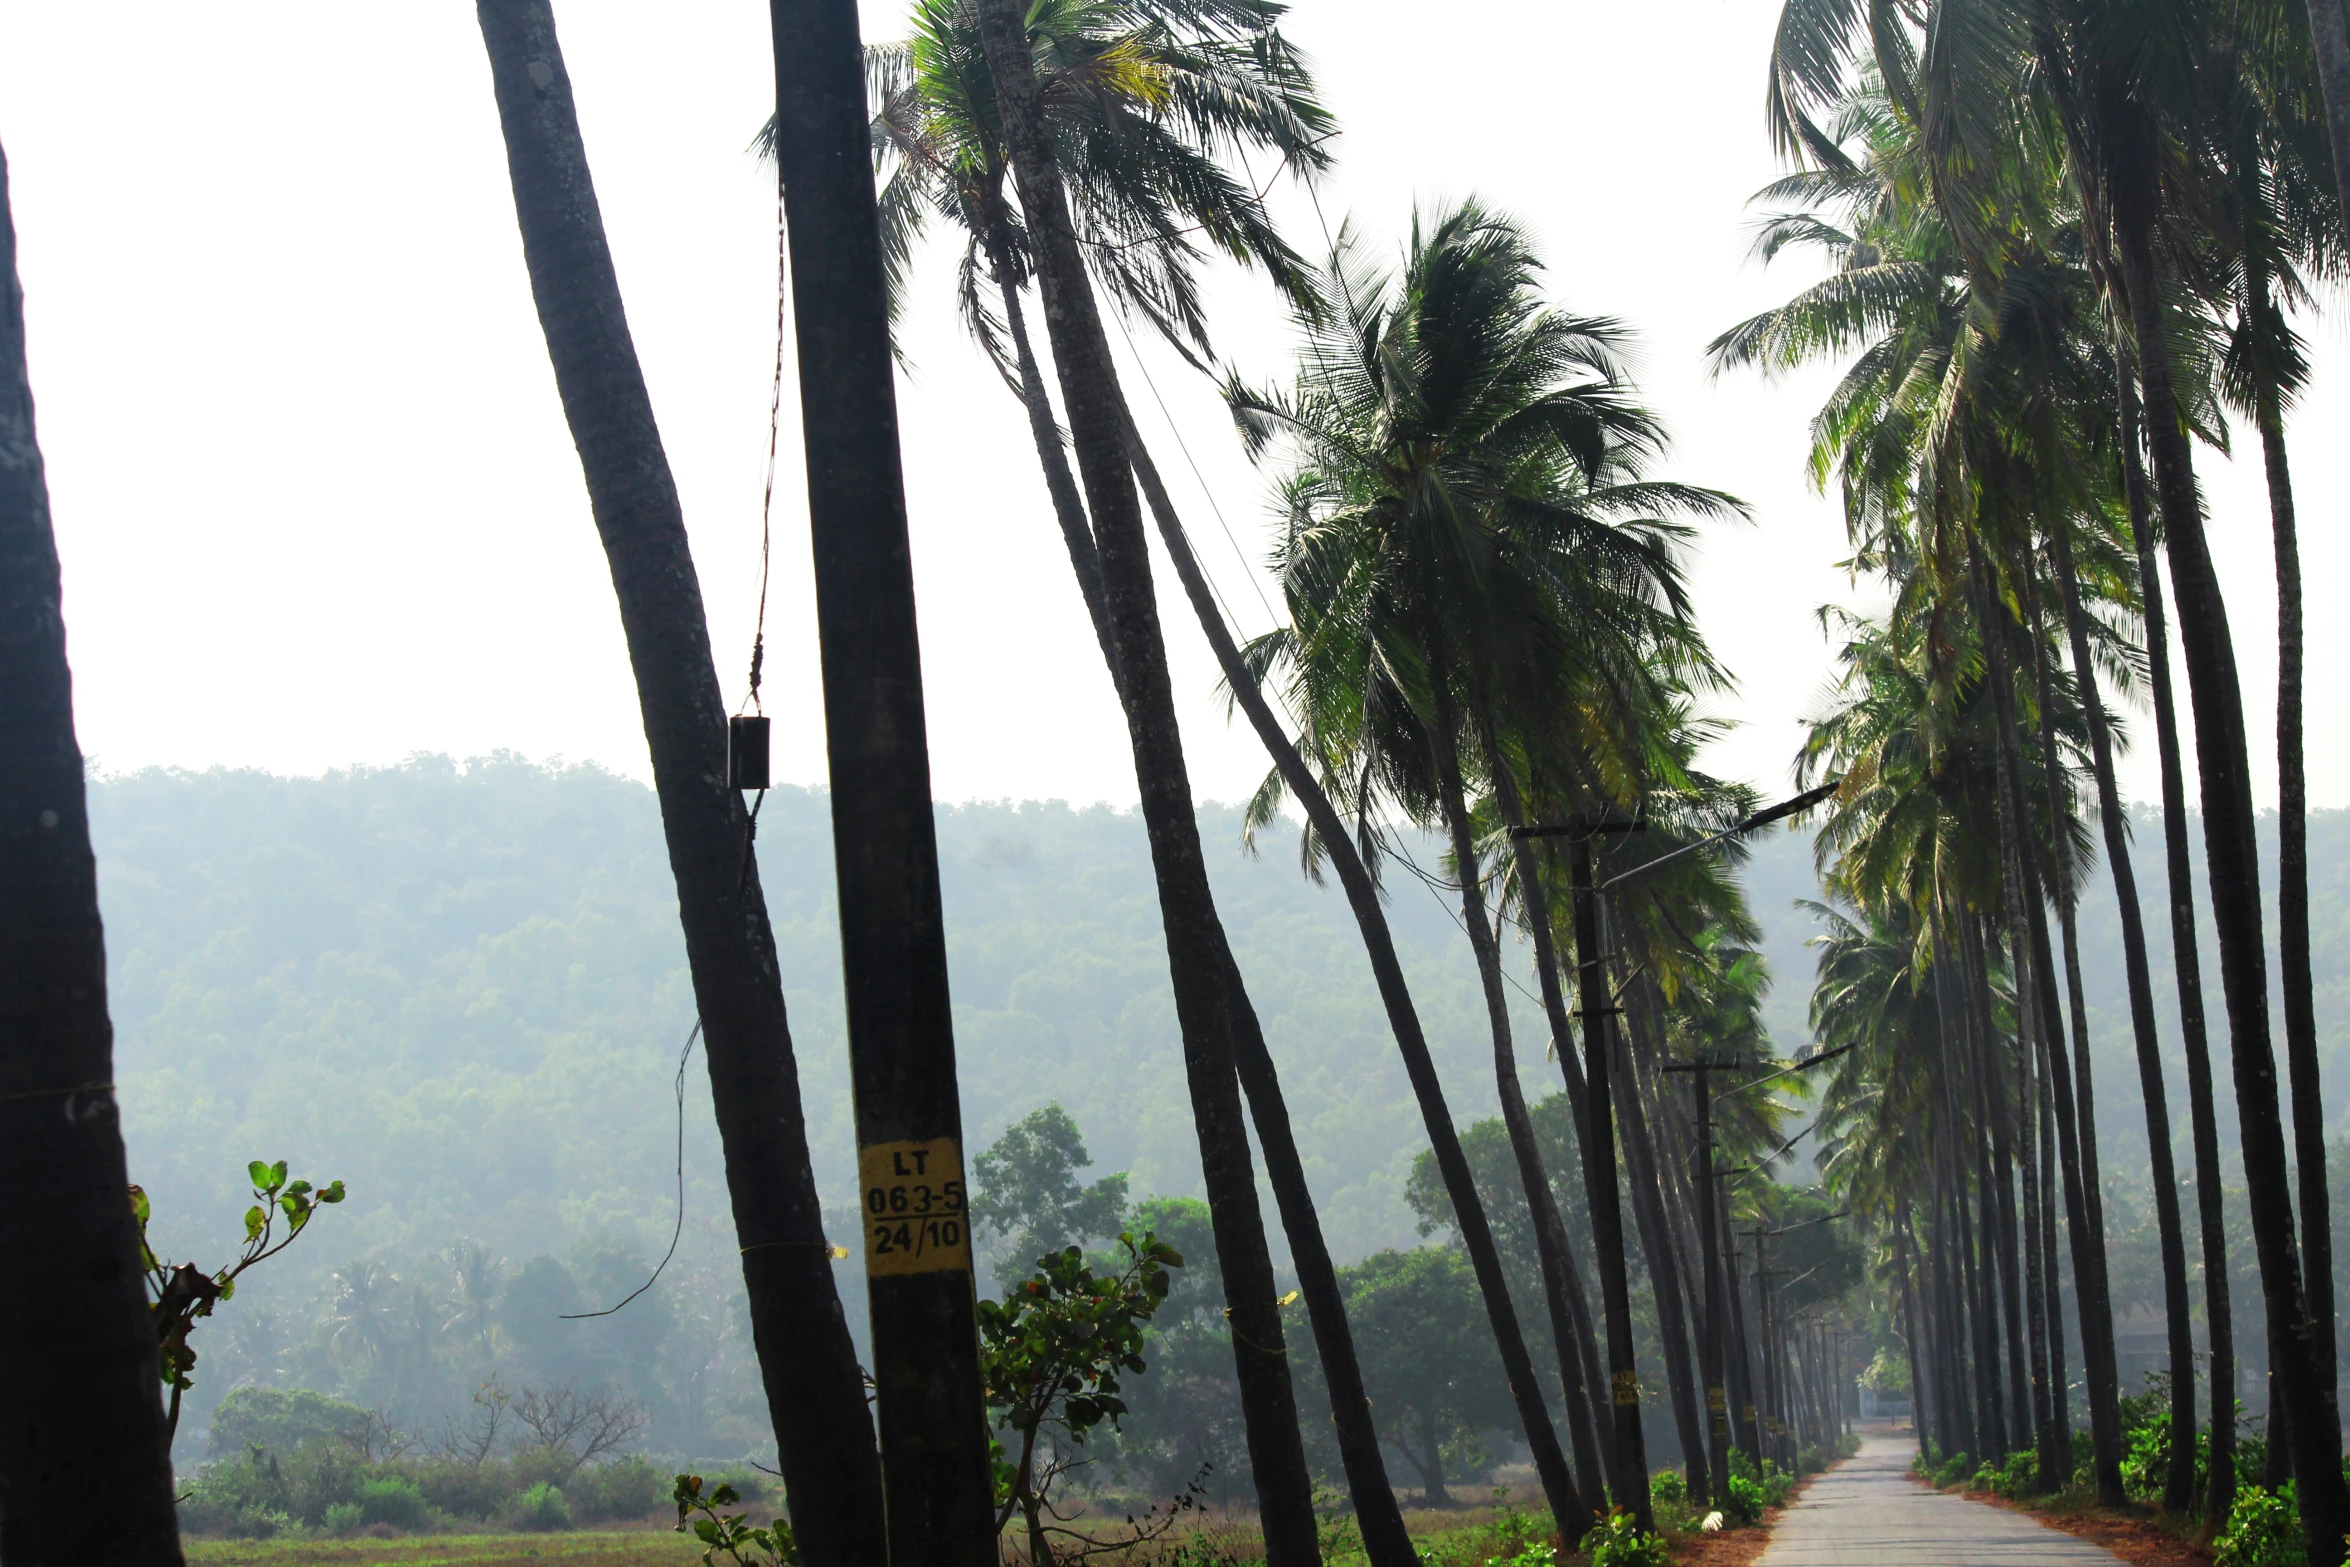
[[1710, 1345], [917, 1242]]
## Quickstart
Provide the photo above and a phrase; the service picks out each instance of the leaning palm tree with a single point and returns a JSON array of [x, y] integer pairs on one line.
[[1472, 554], [1199, 962]]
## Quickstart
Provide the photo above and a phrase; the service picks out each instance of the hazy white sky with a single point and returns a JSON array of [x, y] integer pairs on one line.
[[317, 504]]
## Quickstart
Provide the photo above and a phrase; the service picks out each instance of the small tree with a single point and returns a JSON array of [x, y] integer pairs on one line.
[[1428, 1355], [1025, 1186], [1052, 1352], [181, 1294]]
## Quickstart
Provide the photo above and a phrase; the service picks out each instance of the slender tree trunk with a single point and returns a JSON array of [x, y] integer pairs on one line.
[[2233, 865], [1998, 1102], [2039, 1287], [1550, 1237], [815, 1392], [1403, 1017], [1378, 1515], [2187, 964], [2309, 1115], [80, 1396], [1385, 1540], [1570, 1305], [1599, 1180], [1197, 958], [1904, 1269], [1664, 1273], [2060, 1388], [2179, 1484], [2089, 1286], [1746, 1421]]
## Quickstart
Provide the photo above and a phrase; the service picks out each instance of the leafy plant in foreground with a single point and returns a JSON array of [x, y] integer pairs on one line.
[[1619, 1541], [732, 1533], [180, 1294], [1051, 1354]]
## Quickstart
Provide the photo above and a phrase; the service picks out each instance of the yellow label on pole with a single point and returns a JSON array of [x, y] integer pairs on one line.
[[1627, 1387], [914, 1209], [1715, 1401]]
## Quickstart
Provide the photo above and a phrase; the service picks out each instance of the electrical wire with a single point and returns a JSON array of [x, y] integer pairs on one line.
[[683, 1056]]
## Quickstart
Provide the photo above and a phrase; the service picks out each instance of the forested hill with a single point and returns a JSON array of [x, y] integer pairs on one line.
[[461, 989]]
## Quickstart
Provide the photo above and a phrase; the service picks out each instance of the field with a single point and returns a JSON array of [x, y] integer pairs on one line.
[[587, 1547]]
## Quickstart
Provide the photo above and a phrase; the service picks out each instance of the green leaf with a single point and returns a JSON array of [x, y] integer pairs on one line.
[[254, 1220], [333, 1192], [277, 1175], [139, 1208], [260, 1174]]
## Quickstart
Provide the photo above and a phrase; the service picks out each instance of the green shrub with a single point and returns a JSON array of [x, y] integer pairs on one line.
[[2263, 1530], [1666, 1485], [460, 1490], [344, 1519], [1621, 1542], [540, 1510], [1744, 1504], [1950, 1471], [395, 1503], [625, 1488], [237, 1498]]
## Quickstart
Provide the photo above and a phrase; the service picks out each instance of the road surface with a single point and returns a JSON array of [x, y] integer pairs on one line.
[[1868, 1511]]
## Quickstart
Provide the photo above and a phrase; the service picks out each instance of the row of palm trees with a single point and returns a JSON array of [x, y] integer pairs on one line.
[[2064, 240]]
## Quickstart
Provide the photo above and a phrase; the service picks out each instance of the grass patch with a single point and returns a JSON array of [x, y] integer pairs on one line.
[[601, 1547]]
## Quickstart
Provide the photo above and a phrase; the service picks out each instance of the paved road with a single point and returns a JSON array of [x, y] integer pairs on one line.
[[1868, 1511]]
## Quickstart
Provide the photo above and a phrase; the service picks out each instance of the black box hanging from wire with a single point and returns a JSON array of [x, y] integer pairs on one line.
[[746, 752]]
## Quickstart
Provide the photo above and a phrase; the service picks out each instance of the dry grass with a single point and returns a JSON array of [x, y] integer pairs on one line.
[[589, 1548]]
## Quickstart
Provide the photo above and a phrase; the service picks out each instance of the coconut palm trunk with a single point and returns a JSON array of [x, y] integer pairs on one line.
[[1664, 1273], [2091, 1296], [2187, 966], [1395, 995], [1476, 917], [2300, 1005], [2231, 853], [2179, 1484], [815, 1391], [1198, 961], [79, 1392], [1380, 1518]]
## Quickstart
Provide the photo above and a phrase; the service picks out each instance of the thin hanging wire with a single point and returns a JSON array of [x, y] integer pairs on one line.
[[678, 1230], [767, 490]]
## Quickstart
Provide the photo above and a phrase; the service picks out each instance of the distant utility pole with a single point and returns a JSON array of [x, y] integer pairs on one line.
[[917, 1240]]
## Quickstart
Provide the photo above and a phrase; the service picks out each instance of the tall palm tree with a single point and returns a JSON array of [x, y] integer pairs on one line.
[[79, 1390], [1467, 501], [1139, 100], [815, 1389], [1198, 960]]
